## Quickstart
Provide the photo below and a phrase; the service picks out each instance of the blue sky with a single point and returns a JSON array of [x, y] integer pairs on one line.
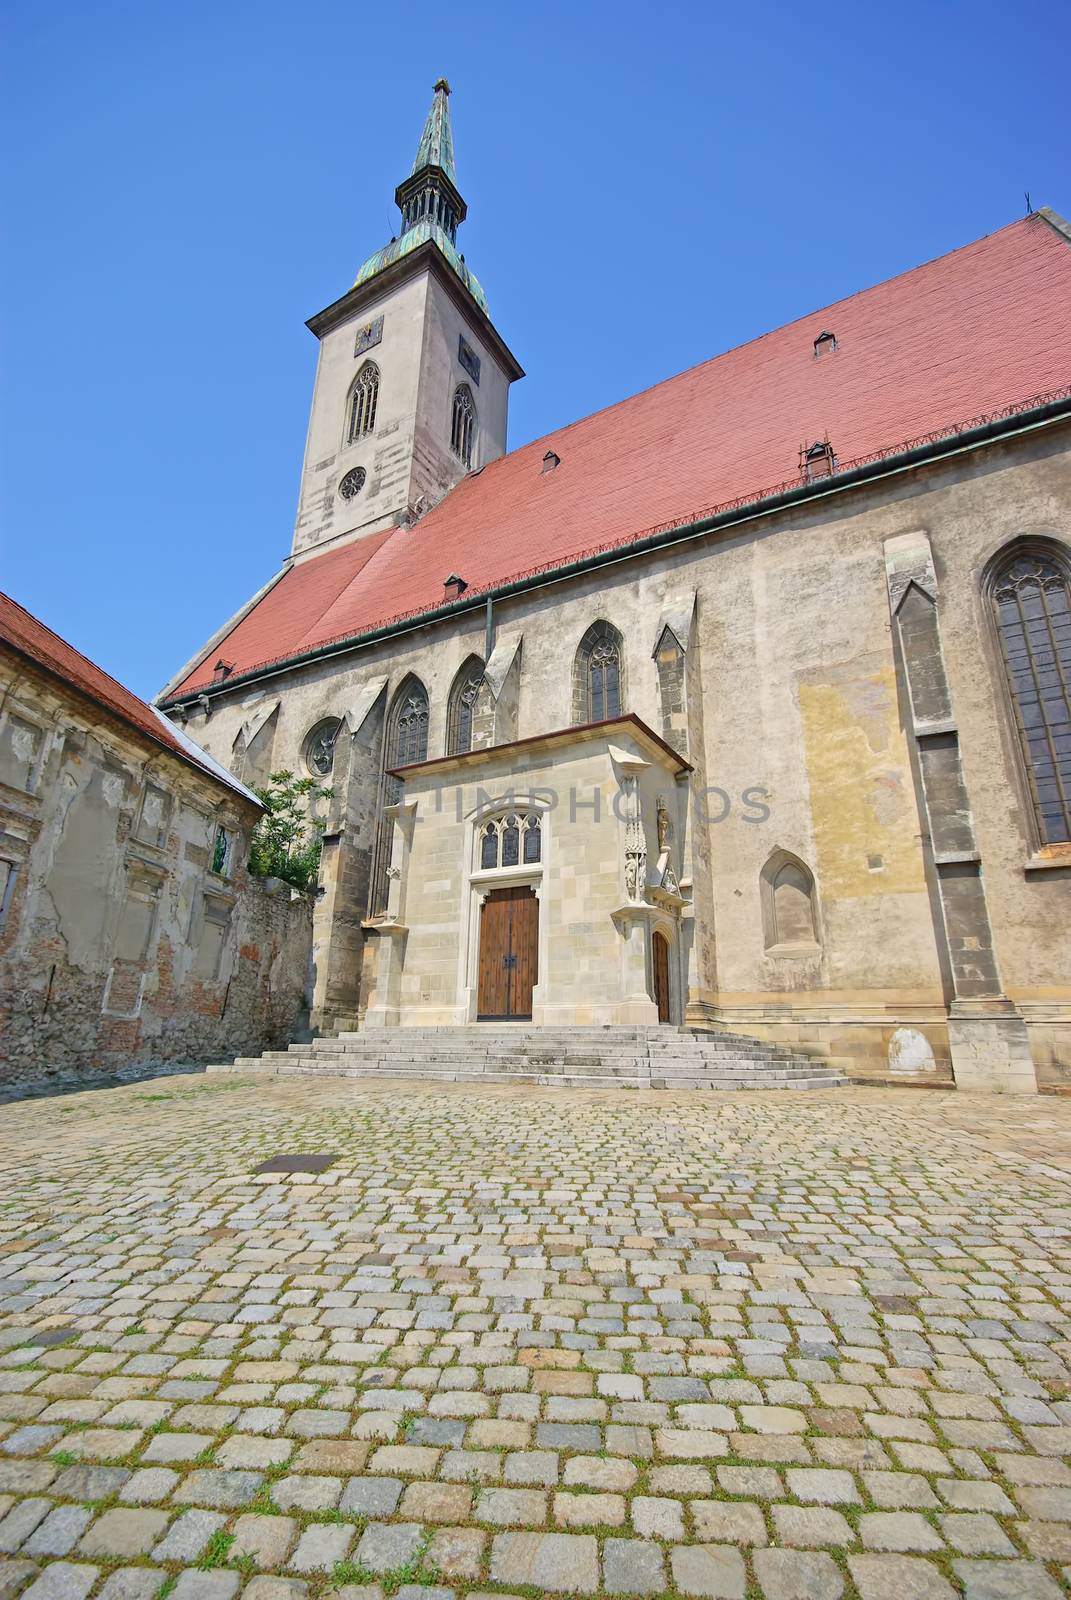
[[647, 185]]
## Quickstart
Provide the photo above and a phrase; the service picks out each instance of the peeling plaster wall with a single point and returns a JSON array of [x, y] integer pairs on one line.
[[118, 943]]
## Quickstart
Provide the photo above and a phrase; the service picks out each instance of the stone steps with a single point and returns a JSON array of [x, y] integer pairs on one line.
[[601, 1057]]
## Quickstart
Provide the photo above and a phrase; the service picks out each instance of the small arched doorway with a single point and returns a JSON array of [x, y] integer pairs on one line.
[[660, 966]]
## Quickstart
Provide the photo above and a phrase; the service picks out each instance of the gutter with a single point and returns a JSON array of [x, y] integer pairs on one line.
[[890, 466]]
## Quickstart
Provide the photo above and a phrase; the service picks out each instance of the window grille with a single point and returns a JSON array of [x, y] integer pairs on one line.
[[1031, 595], [221, 852]]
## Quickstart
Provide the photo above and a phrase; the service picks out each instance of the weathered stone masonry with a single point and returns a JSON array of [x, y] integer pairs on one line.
[[130, 930]]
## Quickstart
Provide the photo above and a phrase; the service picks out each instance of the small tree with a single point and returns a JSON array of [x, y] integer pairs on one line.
[[287, 841]]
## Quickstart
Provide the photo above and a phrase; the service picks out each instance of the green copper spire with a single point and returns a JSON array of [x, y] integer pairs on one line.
[[430, 192], [431, 206], [436, 147]]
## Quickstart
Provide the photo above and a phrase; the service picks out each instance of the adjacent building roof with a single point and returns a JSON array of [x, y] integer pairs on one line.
[[982, 331], [28, 637]]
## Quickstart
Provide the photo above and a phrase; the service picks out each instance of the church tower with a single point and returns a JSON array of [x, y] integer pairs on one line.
[[412, 383]]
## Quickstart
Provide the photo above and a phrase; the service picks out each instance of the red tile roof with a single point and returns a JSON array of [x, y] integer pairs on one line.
[[27, 636], [985, 328]]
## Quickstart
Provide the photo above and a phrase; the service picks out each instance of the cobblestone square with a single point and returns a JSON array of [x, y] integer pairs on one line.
[[515, 1341]]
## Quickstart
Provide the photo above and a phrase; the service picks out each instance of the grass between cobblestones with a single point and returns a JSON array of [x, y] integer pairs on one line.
[[516, 1342]]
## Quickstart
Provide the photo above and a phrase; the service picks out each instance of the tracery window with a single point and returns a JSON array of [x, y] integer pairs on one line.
[[364, 399], [1030, 591], [598, 674], [463, 424], [319, 747], [462, 707], [514, 838], [406, 742]]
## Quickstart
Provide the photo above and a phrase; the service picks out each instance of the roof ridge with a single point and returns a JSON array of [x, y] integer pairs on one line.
[[111, 696], [67, 645]]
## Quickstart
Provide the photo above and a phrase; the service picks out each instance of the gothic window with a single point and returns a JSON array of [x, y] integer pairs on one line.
[[406, 741], [1030, 592], [462, 707], [463, 424], [364, 398], [598, 675], [789, 920], [514, 838]]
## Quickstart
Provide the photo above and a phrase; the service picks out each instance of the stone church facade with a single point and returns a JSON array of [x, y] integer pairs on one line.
[[744, 704]]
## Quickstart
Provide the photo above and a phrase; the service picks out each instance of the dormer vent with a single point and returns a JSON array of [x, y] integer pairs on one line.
[[551, 460], [222, 670], [454, 587], [817, 460], [825, 344]]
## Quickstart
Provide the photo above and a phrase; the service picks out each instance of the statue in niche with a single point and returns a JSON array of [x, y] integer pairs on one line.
[[665, 826]]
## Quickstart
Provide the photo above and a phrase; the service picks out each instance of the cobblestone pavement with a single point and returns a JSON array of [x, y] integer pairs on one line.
[[515, 1341]]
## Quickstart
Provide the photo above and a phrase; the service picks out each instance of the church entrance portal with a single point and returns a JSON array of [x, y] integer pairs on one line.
[[509, 955]]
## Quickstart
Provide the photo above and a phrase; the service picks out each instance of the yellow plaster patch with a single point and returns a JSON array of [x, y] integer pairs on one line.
[[861, 794]]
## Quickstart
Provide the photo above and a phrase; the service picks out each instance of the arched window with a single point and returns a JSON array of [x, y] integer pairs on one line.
[[462, 707], [407, 735], [511, 840], [789, 920], [1030, 593], [364, 398], [406, 741], [463, 424], [598, 675]]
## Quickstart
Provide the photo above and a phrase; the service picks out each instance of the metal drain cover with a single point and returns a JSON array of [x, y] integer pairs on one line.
[[297, 1163]]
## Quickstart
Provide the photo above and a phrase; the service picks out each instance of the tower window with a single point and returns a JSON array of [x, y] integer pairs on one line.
[[1030, 592], [364, 399], [463, 424]]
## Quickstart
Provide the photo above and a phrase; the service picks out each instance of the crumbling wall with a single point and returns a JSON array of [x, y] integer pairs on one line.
[[130, 929]]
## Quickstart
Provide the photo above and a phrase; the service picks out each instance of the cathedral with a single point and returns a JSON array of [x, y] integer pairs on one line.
[[742, 705]]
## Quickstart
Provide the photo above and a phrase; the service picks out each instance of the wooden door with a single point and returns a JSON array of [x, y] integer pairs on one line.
[[660, 962], [509, 954]]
